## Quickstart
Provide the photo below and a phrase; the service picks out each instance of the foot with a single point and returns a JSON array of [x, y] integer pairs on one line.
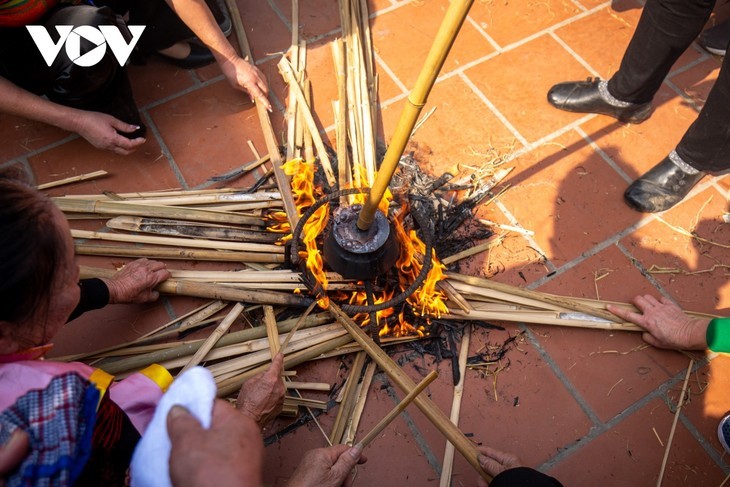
[[715, 40], [665, 185], [591, 96], [187, 55], [723, 432]]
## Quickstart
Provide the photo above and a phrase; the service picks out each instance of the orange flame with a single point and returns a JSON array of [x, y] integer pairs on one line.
[[302, 183]]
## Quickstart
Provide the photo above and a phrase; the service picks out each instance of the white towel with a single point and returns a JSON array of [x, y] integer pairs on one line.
[[195, 390]]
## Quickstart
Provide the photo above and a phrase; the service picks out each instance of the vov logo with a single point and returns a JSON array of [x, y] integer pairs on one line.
[[70, 36]]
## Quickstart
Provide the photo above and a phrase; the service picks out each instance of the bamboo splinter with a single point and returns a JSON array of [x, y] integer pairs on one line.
[[214, 337], [397, 410]]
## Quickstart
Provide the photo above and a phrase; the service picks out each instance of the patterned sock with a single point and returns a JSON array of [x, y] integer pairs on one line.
[[682, 164]]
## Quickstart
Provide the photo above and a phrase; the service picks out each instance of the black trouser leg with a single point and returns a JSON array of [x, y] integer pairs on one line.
[[665, 30], [706, 144]]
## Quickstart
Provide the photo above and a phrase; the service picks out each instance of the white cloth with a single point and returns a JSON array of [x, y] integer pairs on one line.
[[195, 390]]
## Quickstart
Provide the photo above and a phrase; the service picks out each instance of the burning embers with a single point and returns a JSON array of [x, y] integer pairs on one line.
[[426, 301]]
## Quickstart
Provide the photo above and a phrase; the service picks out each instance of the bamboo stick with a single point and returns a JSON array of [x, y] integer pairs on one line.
[[561, 301], [368, 438], [203, 199], [204, 290], [179, 242], [308, 138], [299, 323], [150, 194], [232, 384], [214, 337], [454, 296], [69, 205], [72, 179], [282, 180], [362, 395], [177, 254], [429, 409], [272, 333], [472, 251], [292, 109], [187, 321], [348, 399], [287, 71], [179, 228], [187, 349], [544, 318], [674, 423], [448, 463], [309, 403], [308, 386]]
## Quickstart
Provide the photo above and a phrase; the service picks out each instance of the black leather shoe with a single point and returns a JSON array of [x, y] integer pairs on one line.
[[584, 97], [662, 187], [219, 9], [199, 56]]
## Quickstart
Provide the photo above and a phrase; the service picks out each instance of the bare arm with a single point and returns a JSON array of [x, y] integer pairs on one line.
[[99, 129], [240, 73]]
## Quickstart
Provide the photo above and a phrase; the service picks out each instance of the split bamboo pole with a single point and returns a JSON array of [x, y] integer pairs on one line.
[[72, 179], [455, 16], [272, 145], [543, 318], [179, 242], [272, 333], [178, 254], [448, 463], [426, 405], [362, 396], [395, 412], [69, 205], [214, 337], [116, 367], [212, 291], [348, 399], [179, 228]]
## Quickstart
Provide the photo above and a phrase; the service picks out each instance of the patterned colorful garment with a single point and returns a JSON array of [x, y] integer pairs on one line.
[[18, 13]]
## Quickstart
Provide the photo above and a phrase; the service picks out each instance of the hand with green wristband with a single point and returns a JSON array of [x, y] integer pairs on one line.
[[667, 326]]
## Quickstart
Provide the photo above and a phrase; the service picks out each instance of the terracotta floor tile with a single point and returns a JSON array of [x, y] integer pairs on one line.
[[206, 131], [630, 454], [517, 82], [462, 130], [266, 32], [146, 169], [25, 135], [569, 196], [637, 148], [156, 80], [510, 22], [315, 17], [601, 38], [699, 80], [678, 258], [412, 28], [709, 400]]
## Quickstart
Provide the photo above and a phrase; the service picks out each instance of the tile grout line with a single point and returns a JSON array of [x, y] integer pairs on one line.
[[603, 155], [53, 145], [419, 439], [706, 445], [494, 110], [166, 152], [575, 55], [483, 33], [381, 63]]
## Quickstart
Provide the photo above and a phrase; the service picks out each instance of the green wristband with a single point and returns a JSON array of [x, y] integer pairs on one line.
[[718, 335]]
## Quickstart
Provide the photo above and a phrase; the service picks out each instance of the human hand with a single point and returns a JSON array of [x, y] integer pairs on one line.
[[230, 453], [100, 130], [244, 76], [326, 467], [495, 462], [136, 281], [262, 397], [13, 453], [666, 325]]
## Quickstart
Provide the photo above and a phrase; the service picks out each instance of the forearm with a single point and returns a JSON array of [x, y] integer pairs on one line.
[[197, 16], [94, 295], [17, 101]]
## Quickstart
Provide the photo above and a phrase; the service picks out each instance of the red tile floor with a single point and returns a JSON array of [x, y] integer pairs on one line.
[[589, 407]]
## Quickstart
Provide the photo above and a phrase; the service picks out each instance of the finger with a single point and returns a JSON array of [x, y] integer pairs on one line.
[[277, 365], [345, 463], [643, 303], [123, 126], [651, 300], [649, 338], [626, 314], [14, 451], [490, 465], [500, 456], [154, 295], [181, 423]]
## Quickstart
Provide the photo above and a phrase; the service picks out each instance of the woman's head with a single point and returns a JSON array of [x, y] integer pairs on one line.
[[38, 275]]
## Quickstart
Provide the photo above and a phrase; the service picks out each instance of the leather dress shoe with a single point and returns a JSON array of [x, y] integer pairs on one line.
[[584, 97], [199, 56], [662, 187]]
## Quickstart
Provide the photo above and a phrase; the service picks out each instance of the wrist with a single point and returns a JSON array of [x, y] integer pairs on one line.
[[699, 334]]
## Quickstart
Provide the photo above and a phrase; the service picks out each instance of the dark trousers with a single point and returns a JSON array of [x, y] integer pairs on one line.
[[665, 30]]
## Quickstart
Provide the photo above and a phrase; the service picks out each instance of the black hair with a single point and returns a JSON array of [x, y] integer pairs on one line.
[[32, 250]]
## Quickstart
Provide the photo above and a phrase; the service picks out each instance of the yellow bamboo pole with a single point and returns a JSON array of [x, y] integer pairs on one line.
[[455, 16]]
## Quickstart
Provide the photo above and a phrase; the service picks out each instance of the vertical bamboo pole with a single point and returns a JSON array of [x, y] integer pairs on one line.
[[455, 16], [214, 337], [272, 332]]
